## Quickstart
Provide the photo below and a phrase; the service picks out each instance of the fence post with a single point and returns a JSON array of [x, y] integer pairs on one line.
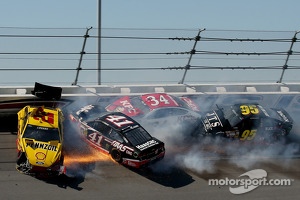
[[290, 52], [187, 67], [81, 55]]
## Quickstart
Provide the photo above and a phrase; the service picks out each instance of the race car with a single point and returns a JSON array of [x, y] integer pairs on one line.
[[118, 135], [159, 110], [137, 106], [40, 141], [247, 122]]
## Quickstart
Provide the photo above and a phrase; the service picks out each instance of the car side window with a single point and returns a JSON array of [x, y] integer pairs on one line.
[[116, 136], [91, 124], [102, 128]]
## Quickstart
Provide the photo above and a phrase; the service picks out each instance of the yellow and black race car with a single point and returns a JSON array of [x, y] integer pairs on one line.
[[40, 140]]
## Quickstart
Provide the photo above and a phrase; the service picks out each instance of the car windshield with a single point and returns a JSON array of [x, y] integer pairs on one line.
[[137, 136], [231, 113], [272, 113], [43, 134], [167, 112]]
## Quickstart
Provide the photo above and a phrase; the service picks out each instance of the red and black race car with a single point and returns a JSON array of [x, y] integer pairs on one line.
[[160, 110], [247, 122], [137, 106], [118, 135]]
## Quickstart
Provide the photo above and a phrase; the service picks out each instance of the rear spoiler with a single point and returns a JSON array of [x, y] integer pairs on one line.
[[47, 92]]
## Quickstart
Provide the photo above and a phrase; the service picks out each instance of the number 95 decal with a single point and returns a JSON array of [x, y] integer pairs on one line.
[[249, 109], [248, 134]]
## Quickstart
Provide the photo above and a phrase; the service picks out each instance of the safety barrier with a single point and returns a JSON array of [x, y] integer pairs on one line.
[[271, 94], [241, 88]]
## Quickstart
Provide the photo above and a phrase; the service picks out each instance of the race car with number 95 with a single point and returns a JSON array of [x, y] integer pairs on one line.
[[247, 122], [119, 136]]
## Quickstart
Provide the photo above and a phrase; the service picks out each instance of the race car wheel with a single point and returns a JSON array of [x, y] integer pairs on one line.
[[21, 158], [116, 155]]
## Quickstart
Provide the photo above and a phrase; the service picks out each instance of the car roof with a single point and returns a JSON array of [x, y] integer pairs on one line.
[[158, 100], [262, 112], [118, 121], [142, 104], [44, 117]]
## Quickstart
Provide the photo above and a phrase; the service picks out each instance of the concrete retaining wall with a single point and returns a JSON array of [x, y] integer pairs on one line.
[[280, 88]]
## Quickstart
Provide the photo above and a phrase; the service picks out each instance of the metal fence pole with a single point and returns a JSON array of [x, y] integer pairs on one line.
[[290, 52], [99, 42], [81, 55], [187, 67]]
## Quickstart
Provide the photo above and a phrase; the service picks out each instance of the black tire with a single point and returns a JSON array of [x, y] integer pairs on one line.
[[116, 155], [21, 158], [62, 159]]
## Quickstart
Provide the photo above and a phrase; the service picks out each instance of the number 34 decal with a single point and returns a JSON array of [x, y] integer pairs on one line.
[[248, 134]]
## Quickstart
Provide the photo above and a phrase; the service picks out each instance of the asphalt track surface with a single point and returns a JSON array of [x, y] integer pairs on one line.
[[101, 178]]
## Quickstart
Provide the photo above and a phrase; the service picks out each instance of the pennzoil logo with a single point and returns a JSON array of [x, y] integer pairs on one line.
[[38, 145]]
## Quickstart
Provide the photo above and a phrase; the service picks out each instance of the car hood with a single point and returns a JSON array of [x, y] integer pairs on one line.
[[42, 154]]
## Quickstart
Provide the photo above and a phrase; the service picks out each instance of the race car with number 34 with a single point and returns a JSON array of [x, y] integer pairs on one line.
[[158, 110], [118, 135], [247, 122]]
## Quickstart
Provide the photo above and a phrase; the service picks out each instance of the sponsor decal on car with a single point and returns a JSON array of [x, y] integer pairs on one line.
[[124, 105], [40, 156], [120, 146], [283, 116], [38, 145], [146, 145], [212, 120]]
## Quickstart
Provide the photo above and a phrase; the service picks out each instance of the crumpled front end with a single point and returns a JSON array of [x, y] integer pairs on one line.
[[41, 157]]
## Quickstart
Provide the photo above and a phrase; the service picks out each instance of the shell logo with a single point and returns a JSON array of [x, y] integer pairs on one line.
[[40, 156]]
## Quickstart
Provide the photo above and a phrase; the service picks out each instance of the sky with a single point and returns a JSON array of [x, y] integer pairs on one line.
[[156, 18], [177, 14]]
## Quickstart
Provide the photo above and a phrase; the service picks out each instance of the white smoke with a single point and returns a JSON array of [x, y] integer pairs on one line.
[[182, 152], [202, 154], [249, 155], [196, 161], [74, 145]]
